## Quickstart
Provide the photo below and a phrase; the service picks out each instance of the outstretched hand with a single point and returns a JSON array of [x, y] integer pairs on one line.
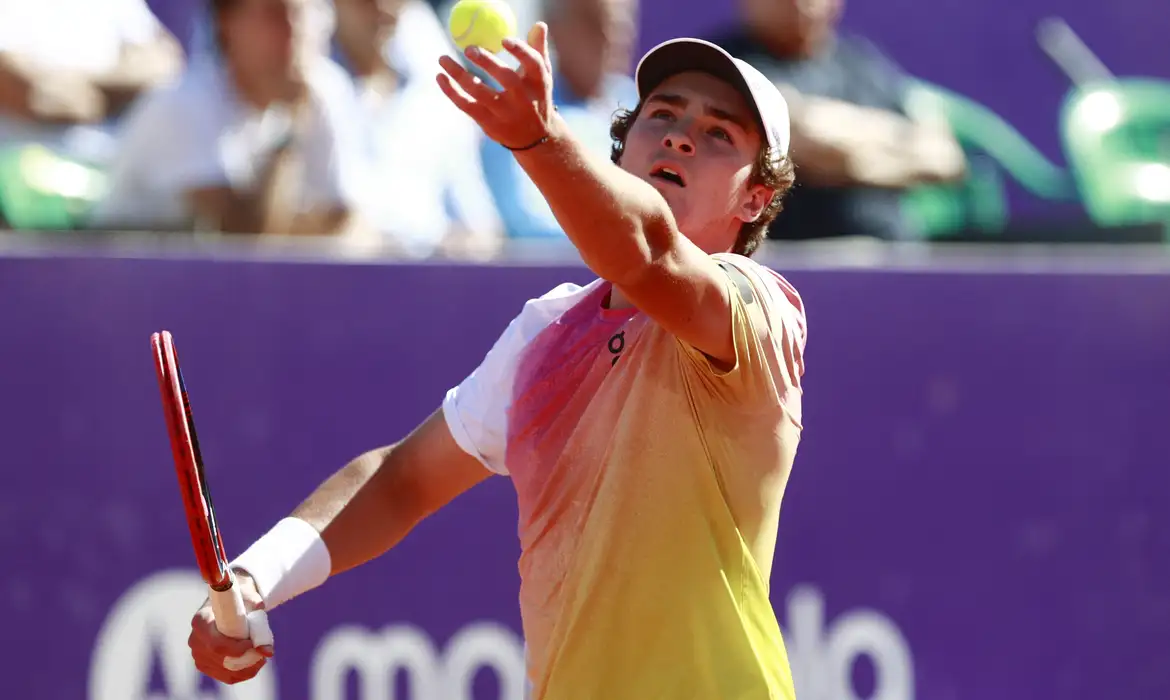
[[519, 112]]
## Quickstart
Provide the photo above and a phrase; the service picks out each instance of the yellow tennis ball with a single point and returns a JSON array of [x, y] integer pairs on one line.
[[482, 23]]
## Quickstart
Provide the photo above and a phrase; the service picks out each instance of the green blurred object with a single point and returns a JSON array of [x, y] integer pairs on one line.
[[43, 190], [1117, 137], [979, 201]]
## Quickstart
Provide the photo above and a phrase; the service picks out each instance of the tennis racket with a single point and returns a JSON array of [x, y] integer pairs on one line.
[[231, 617]]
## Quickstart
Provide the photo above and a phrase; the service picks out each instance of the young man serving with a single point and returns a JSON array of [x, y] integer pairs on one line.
[[648, 420]]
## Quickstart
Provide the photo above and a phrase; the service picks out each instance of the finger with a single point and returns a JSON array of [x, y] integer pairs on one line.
[[215, 668], [462, 100], [212, 659], [535, 48], [508, 78], [221, 674], [259, 631], [238, 663], [538, 39], [205, 635], [472, 86]]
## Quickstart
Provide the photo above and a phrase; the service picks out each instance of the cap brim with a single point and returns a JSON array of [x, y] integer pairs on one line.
[[683, 55]]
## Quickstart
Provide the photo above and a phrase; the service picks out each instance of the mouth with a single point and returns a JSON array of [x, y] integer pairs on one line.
[[667, 174]]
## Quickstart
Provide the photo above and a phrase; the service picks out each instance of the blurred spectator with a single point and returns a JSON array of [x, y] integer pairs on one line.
[[257, 136], [426, 191], [592, 43], [854, 147], [69, 67]]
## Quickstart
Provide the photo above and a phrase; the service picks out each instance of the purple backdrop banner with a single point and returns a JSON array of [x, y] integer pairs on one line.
[[979, 510]]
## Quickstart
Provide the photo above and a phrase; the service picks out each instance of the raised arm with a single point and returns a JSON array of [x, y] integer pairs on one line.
[[619, 223]]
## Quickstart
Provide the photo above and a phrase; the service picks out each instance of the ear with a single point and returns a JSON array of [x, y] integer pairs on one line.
[[755, 201]]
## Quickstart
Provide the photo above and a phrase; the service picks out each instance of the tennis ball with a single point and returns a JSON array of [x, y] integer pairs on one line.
[[482, 23]]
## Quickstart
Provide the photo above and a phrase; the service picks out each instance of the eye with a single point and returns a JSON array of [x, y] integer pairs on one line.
[[661, 114], [720, 133]]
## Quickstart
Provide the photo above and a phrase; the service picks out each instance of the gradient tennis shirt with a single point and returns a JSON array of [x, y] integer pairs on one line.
[[649, 485]]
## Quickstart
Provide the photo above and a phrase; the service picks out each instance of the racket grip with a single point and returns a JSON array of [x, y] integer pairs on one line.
[[231, 619]]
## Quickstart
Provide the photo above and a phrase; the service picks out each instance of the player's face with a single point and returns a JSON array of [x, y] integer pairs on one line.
[[696, 142]]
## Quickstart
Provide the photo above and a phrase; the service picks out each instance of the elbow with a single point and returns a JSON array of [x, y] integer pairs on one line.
[[644, 236], [398, 487], [160, 62]]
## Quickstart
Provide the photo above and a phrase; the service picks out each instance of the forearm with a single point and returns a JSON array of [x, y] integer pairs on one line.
[[618, 222], [261, 208], [363, 510], [34, 91], [47, 96], [326, 220], [920, 158], [842, 144], [139, 68], [354, 516]]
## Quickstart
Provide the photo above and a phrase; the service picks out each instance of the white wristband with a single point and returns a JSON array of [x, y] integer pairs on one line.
[[287, 561]]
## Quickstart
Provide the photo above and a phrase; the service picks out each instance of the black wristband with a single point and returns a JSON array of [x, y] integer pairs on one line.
[[530, 146]]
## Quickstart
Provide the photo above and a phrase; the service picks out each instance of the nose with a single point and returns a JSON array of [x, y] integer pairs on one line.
[[679, 141]]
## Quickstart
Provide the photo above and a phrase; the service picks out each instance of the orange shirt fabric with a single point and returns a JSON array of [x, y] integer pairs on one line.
[[649, 484]]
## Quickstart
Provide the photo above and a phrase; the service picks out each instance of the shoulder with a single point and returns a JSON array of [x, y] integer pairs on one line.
[[758, 285], [735, 42], [189, 105], [333, 91], [862, 54], [539, 312], [326, 78], [196, 98]]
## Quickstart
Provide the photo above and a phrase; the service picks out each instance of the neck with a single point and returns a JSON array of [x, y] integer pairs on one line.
[[254, 93], [616, 300], [262, 92], [365, 63]]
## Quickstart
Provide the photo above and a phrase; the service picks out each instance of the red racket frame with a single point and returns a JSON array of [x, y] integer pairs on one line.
[[205, 535]]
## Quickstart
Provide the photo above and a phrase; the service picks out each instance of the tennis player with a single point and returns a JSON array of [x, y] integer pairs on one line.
[[648, 420]]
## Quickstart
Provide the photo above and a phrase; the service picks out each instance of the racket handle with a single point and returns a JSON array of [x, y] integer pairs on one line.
[[231, 619]]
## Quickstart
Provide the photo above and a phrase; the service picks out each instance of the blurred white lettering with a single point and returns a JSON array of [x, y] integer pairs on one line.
[[822, 660], [148, 627], [376, 657]]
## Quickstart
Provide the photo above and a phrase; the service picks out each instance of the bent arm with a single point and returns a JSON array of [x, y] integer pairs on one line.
[[839, 144], [360, 512], [626, 234], [139, 68], [70, 96]]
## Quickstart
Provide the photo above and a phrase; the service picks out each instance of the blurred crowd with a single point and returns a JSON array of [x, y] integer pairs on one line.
[[323, 118]]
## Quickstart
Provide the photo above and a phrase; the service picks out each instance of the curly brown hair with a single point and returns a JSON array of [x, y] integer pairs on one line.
[[776, 173]]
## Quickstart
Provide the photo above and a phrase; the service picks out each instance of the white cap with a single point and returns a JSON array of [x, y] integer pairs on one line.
[[687, 54]]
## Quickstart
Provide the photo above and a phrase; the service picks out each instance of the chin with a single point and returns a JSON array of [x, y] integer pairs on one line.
[[674, 201]]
